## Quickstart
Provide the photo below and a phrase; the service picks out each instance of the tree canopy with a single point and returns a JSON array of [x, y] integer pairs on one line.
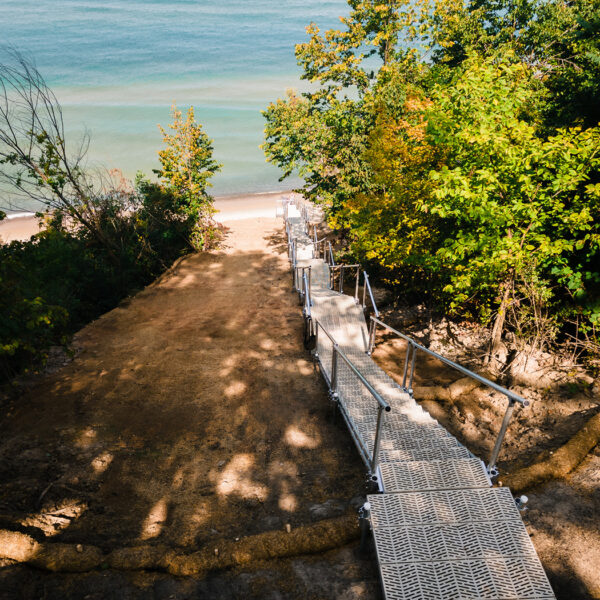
[[456, 147]]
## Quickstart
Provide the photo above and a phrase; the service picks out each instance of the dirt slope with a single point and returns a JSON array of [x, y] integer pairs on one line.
[[190, 414]]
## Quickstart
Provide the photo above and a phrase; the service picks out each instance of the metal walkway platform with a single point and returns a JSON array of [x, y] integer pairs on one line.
[[441, 531]]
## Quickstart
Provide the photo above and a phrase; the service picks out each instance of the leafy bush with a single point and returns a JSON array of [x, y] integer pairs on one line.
[[104, 238], [64, 277]]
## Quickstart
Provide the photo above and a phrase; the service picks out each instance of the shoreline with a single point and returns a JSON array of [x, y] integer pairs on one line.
[[21, 226]]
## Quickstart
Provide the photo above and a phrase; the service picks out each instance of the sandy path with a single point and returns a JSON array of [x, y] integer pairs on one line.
[[192, 413]]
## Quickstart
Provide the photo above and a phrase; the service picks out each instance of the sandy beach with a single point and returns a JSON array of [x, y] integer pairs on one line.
[[231, 208]]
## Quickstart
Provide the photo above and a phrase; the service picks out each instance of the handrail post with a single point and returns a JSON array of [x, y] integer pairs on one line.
[[334, 364], [412, 371], [342, 279], [364, 302], [507, 416], [307, 299], [375, 459], [372, 327], [357, 282], [409, 348], [310, 285], [368, 285], [300, 279]]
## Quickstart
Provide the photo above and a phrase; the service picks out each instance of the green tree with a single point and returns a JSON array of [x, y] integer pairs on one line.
[[522, 209], [323, 135], [187, 164], [565, 38]]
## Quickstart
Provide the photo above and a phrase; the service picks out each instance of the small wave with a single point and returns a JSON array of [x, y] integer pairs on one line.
[[20, 215]]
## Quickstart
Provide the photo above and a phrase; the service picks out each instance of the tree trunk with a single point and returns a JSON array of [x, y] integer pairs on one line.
[[497, 329]]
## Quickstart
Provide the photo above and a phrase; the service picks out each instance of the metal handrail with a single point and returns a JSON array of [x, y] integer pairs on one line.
[[292, 251], [367, 286], [306, 292], [327, 253], [411, 354], [298, 281], [372, 459], [371, 389], [331, 261], [342, 268]]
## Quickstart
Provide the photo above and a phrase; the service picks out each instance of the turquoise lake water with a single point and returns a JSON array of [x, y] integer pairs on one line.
[[118, 65]]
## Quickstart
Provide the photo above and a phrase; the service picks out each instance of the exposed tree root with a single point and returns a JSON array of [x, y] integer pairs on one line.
[[448, 393], [319, 537], [559, 464]]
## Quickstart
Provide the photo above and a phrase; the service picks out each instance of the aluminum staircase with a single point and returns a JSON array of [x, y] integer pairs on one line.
[[441, 530]]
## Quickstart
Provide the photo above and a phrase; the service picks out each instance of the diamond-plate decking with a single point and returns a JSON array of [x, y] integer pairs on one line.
[[443, 507], [440, 530], [452, 542], [484, 579], [434, 475]]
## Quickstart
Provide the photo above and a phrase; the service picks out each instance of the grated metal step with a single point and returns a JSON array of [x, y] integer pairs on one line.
[[443, 507], [394, 438], [429, 449], [455, 544], [520, 578], [412, 543], [366, 410], [434, 475]]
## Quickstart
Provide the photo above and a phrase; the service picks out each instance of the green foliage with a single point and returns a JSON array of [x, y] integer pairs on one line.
[[28, 324], [511, 200], [64, 277], [103, 240], [324, 146], [187, 165], [569, 35], [456, 147]]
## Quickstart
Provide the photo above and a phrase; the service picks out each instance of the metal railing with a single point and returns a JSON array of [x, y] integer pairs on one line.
[[308, 210], [331, 260], [323, 249], [409, 371], [339, 272], [281, 209], [306, 294], [299, 276], [329, 355], [292, 250], [320, 248], [367, 288]]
